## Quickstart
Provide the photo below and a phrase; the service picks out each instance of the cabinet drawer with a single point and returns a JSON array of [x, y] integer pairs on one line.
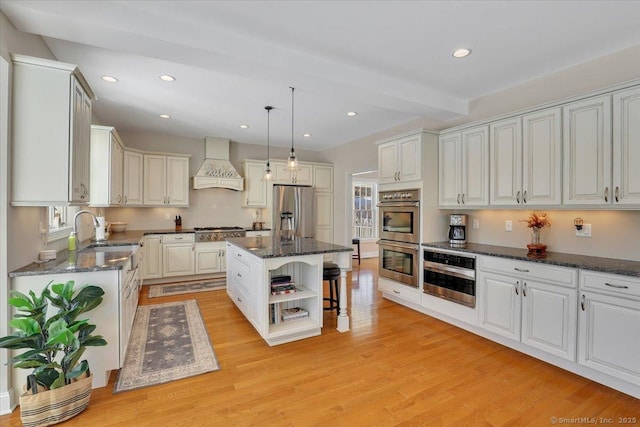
[[239, 256], [240, 275], [613, 284], [532, 270], [178, 238], [399, 290]]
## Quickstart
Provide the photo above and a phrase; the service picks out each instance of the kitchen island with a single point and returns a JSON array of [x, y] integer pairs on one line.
[[252, 263]]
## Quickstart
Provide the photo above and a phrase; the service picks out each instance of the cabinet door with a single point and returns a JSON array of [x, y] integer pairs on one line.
[[608, 337], [303, 176], [323, 178], [541, 158], [132, 178], [388, 162], [499, 305], [153, 257], [80, 143], [587, 152], [178, 181], [178, 259], [548, 318], [475, 167], [155, 180], [281, 175], [410, 159], [449, 168], [209, 257], [255, 192], [626, 147], [506, 162], [116, 175]]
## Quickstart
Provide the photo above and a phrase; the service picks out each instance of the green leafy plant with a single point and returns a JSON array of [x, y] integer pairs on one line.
[[55, 344]]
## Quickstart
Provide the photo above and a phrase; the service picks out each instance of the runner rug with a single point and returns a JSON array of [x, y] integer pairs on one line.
[[187, 287], [168, 342]]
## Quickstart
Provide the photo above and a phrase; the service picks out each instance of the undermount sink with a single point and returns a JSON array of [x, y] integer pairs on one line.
[[100, 248]]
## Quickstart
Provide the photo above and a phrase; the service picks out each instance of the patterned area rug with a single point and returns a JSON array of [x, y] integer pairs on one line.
[[168, 342], [187, 287]]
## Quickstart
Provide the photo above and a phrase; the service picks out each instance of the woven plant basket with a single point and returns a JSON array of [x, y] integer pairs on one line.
[[55, 406]]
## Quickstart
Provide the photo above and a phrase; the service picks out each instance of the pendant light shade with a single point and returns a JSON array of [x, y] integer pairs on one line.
[[292, 162], [267, 172]]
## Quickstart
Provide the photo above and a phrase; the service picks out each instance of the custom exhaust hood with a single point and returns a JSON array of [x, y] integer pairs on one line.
[[216, 170]]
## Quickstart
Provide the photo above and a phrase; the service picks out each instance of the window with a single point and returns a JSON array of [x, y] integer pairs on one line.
[[60, 220], [364, 209]]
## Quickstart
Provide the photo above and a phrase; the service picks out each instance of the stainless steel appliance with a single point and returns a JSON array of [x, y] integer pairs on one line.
[[399, 261], [457, 230], [399, 215], [450, 275], [217, 234], [399, 234], [294, 211]]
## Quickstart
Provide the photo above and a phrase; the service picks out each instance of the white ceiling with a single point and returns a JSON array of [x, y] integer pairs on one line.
[[388, 60]]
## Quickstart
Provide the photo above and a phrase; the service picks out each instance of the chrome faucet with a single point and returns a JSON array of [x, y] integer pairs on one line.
[[75, 222]]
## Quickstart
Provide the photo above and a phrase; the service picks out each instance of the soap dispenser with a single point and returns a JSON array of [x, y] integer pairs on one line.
[[73, 241]]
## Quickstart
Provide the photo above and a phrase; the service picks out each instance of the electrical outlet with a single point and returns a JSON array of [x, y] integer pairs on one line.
[[585, 232], [167, 217], [41, 230], [476, 224], [508, 225]]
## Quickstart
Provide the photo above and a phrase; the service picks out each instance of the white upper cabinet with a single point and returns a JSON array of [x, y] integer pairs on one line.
[[526, 163], [400, 160], [587, 152], [51, 122], [281, 175], [255, 191], [132, 178], [626, 147], [166, 180], [464, 168], [107, 161]]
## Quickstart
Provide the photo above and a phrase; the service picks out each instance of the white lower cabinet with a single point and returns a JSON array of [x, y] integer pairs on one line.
[[609, 325], [530, 303], [178, 255], [210, 258], [152, 256]]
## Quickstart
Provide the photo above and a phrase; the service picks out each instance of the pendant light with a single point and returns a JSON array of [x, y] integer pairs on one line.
[[292, 162], [267, 171]]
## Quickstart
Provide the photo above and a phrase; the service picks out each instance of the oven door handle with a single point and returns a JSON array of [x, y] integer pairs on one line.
[[398, 204], [462, 273], [398, 245]]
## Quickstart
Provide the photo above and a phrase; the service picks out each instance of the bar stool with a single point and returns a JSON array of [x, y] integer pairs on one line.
[[331, 272], [356, 255]]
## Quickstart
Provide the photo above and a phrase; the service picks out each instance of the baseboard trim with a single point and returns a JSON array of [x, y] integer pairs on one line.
[[8, 402]]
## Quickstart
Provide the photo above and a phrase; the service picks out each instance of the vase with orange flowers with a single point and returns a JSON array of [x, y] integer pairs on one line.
[[536, 222]]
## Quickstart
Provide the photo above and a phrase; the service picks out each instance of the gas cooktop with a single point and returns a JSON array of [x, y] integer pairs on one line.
[[204, 234]]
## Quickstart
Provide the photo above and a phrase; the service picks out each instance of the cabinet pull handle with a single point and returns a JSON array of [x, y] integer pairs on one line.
[[524, 197], [521, 270], [458, 198], [239, 275], [396, 292], [518, 197], [178, 238], [125, 199], [463, 198], [517, 286], [524, 289], [617, 193], [239, 299], [606, 194], [616, 286], [582, 302]]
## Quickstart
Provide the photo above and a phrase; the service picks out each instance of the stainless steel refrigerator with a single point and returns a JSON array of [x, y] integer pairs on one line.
[[294, 211]]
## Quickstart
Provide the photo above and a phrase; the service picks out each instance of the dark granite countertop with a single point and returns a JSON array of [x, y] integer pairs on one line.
[[604, 265], [269, 247]]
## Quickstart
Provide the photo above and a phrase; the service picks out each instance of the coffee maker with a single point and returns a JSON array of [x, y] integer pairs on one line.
[[457, 230]]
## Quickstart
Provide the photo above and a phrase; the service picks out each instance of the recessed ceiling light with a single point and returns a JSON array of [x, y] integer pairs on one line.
[[244, 126], [109, 79], [167, 78], [461, 53], [352, 113], [307, 135], [165, 116]]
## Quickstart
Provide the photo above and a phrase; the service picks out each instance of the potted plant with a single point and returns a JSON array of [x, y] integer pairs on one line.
[[59, 386]]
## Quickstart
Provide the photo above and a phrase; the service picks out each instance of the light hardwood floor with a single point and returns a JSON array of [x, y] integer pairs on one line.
[[395, 367]]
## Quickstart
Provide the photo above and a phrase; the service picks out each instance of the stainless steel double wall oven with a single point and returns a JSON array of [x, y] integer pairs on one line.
[[399, 213]]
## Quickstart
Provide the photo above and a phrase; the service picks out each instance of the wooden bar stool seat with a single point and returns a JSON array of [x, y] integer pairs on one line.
[[331, 273], [356, 255]]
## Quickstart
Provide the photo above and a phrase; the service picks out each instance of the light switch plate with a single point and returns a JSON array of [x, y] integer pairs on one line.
[[508, 225], [585, 232]]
